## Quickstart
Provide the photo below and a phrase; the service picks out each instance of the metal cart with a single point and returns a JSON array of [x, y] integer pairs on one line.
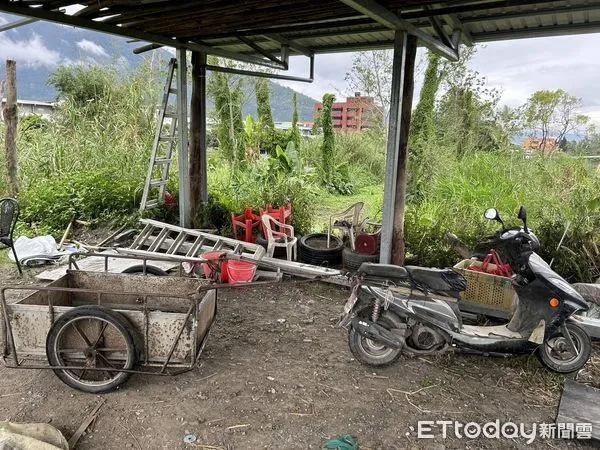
[[96, 329]]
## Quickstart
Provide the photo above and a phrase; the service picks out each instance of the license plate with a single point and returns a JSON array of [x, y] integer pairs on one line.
[[346, 313]]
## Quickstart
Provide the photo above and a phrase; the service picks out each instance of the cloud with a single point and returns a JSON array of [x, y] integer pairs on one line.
[[92, 47], [31, 52], [517, 68]]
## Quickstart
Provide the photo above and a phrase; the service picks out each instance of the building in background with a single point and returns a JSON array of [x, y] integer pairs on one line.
[[355, 114], [539, 145], [305, 128], [32, 107]]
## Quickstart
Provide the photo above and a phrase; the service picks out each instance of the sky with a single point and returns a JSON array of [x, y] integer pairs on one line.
[[517, 68]]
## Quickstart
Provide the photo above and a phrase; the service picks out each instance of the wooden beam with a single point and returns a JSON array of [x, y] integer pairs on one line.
[[471, 7], [455, 23], [198, 163], [398, 245]]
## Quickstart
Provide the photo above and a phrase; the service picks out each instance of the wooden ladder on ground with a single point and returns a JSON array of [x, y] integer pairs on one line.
[[159, 237], [163, 146]]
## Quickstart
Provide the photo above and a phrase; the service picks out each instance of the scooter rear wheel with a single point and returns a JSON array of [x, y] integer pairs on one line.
[[555, 354], [373, 353]]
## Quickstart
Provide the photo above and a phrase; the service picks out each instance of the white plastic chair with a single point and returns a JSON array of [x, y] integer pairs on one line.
[[348, 221], [276, 238]]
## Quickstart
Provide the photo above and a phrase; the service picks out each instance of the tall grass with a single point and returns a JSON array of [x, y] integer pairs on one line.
[[556, 190], [90, 160]]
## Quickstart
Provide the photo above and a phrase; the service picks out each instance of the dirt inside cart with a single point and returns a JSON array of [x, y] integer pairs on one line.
[[275, 373]]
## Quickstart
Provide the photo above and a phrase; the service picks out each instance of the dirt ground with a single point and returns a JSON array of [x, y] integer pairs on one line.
[[276, 374]]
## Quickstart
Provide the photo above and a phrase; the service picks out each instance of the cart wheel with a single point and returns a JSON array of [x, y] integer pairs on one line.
[[150, 270], [97, 343]]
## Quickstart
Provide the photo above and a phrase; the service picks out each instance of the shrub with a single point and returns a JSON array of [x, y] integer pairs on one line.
[[92, 196], [555, 191]]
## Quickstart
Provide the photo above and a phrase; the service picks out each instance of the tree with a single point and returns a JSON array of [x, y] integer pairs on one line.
[[371, 74], [553, 113], [423, 120], [295, 133], [467, 110], [83, 85], [263, 104], [327, 148], [227, 92]]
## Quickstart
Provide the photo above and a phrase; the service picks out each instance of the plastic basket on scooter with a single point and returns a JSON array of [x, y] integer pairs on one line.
[[490, 291]]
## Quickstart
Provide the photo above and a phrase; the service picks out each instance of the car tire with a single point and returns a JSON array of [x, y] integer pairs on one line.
[[312, 249], [352, 260]]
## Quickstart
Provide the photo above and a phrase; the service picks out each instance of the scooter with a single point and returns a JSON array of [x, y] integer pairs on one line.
[[589, 320], [412, 311]]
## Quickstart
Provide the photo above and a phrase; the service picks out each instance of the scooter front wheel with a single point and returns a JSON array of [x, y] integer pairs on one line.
[[371, 353], [556, 352]]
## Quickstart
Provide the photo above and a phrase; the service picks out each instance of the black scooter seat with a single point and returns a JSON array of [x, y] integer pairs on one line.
[[437, 280], [387, 271]]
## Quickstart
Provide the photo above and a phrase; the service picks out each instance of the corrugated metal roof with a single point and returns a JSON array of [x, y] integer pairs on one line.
[[316, 25]]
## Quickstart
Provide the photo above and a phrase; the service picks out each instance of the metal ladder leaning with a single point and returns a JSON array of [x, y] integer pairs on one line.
[[159, 237], [163, 146]]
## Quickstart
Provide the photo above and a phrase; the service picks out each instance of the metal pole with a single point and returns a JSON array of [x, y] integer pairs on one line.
[[398, 245], [393, 146], [182, 136], [204, 163]]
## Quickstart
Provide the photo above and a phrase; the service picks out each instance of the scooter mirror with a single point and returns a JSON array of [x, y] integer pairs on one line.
[[523, 216], [491, 214], [522, 213]]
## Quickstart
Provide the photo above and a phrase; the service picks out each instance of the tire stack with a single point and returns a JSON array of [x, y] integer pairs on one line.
[[366, 250], [312, 249], [352, 260]]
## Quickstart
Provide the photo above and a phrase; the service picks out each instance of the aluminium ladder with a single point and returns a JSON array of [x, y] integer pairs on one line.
[[160, 237], [163, 146]]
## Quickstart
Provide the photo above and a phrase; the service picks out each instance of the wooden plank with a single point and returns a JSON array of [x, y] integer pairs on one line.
[[580, 404]]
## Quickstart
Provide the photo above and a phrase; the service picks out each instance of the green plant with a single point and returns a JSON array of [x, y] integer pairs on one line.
[[91, 196], [328, 145], [295, 132], [227, 93]]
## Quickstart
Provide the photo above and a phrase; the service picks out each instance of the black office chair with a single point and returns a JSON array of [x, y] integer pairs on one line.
[[9, 213]]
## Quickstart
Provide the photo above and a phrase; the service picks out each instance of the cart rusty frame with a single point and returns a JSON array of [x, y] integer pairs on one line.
[[194, 315]]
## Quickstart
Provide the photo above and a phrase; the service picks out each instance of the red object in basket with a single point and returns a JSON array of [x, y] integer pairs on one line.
[[499, 269]]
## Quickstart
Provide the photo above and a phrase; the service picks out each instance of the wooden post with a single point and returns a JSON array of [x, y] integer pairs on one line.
[[11, 180], [398, 247], [198, 163]]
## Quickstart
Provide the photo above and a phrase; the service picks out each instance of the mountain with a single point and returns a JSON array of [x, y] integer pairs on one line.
[[39, 48]]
